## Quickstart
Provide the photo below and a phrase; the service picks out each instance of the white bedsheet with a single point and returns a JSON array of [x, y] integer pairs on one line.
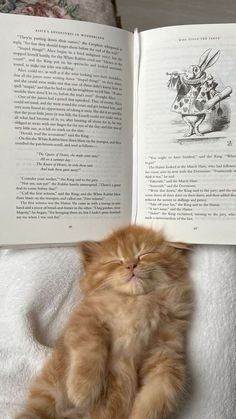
[[38, 288]]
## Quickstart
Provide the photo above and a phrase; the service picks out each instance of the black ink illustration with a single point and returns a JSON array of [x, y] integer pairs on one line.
[[199, 96]]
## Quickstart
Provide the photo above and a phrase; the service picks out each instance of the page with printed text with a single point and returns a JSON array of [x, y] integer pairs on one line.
[[65, 129], [186, 179]]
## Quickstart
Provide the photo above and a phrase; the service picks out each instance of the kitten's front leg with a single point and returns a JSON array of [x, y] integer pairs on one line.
[[87, 342], [162, 382]]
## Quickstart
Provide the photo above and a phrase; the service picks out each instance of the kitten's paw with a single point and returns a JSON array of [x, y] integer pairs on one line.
[[82, 393]]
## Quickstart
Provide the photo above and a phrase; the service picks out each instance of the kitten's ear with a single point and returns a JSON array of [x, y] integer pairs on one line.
[[89, 250], [179, 245]]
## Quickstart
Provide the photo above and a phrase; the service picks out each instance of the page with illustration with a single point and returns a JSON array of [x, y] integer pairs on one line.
[[65, 129], [186, 179]]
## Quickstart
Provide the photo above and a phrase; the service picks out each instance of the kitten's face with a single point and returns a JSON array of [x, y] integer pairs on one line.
[[133, 260]]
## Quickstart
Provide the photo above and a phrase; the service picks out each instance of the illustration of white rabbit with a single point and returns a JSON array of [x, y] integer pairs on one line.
[[196, 92]]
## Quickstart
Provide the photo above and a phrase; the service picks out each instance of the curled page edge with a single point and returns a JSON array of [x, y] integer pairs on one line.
[[136, 68]]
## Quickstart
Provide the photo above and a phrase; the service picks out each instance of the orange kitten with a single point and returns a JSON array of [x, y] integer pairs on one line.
[[121, 355]]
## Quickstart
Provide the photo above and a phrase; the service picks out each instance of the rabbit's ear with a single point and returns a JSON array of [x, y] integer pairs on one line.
[[203, 58], [211, 60]]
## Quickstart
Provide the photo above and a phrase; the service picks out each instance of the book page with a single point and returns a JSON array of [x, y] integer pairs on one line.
[[187, 132], [65, 128]]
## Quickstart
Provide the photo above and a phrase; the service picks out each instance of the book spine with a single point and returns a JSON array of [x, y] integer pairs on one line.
[[136, 68]]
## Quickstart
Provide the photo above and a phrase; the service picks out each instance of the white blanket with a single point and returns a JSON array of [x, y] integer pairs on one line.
[[39, 287]]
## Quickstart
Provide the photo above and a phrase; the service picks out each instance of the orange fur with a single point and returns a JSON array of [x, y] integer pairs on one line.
[[121, 355]]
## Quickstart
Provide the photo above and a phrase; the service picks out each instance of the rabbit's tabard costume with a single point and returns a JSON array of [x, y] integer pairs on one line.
[[191, 96]]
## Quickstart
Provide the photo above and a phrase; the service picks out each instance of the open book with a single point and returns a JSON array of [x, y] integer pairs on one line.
[[100, 127]]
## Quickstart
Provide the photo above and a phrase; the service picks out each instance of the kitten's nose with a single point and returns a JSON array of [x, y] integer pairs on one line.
[[131, 265]]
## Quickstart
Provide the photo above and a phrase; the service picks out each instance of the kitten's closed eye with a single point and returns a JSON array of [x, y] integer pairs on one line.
[[114, 261], [122, 261], [143, 255]]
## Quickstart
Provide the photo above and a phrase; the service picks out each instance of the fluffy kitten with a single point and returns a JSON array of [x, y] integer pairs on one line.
[[121, 355]]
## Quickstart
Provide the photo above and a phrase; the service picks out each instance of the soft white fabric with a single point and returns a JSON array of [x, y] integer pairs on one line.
[[212, 339], [39, 287]]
